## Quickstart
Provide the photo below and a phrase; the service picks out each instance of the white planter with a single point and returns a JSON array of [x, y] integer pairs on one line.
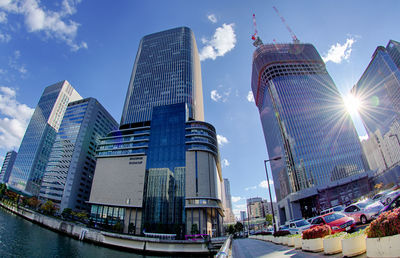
[[354, 246], [297, 242], [312, 245], [291, 241], [332, 245], [284, 240], [269, 238], [383, 246]]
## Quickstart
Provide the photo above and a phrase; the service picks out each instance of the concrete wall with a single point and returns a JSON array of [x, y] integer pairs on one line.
[[112, 239], [119, 181]]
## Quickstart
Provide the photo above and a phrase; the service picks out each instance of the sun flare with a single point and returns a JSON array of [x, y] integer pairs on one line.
[[352, 104]]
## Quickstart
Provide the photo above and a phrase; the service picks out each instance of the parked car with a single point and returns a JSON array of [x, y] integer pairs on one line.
[[363, 211], [337, 208], [336, 220], [284, 227], [298, 226], [390, 196], [395, 203], [381, 196]]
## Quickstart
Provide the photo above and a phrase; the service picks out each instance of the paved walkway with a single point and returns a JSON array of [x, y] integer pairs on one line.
[[256, 248]]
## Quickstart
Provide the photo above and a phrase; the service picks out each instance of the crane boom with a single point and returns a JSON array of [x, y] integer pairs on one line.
[[257, 41], [295, 39]]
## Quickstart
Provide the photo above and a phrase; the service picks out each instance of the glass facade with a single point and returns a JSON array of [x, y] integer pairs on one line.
[[379, 89], [7, 166], [303, 119], [39, 137], [69, 173], [166, 71]]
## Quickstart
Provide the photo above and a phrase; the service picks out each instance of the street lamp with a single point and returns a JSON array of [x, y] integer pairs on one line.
[[269, 188]]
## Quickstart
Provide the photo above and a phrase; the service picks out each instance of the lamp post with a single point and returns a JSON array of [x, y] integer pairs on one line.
[[269, 188]]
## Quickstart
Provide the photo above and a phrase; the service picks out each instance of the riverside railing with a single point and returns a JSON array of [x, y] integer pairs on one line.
[[224, 250]]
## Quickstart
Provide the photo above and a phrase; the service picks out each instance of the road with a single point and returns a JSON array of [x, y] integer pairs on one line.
[[246, 248]]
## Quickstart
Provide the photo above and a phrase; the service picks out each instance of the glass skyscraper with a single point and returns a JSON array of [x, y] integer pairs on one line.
[[304, 122], [39, 137], [166, 71], [378, 89], [7, 166], [68, 177], [160, 172]]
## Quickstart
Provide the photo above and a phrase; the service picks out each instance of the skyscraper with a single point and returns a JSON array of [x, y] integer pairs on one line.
[[160, 172], [378, 89], [68, 177], [39, 137], [227, 201], [166, 71], [7, 166], [304, 122]]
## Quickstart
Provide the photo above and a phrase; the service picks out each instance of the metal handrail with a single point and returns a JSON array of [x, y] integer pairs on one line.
[[224, 250]]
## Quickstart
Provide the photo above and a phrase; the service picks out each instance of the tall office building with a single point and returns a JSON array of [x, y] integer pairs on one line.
[[160, 172], [305, 123], [7, 166], [227, 202], [69, 173], [39, 137], [378, 90], [166, 71]]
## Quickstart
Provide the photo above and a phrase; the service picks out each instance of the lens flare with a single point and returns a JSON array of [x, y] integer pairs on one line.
[[352, 104]]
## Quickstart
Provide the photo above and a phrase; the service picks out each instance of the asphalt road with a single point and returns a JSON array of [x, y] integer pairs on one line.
[[244, 247]]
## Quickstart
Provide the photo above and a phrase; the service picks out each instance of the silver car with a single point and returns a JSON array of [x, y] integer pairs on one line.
[[363, 211], [298, 226]]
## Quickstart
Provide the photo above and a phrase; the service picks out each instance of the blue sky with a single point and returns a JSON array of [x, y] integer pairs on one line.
[[93, 44]]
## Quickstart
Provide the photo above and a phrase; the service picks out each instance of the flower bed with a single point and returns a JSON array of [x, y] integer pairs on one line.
[[333, 243], [297, 241], [280, 235], [384, 235], [313, 238], [354, 244]]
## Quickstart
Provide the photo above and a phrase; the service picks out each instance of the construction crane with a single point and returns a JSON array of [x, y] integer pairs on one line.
[[257, 41], [295, 39]]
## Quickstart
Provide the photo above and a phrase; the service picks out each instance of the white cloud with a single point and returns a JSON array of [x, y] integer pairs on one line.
[[250, 97], [251, 188], [14, 118], [212, 18], [53, 24], [222, 140], [263, 184], [223, 96], [13, 62], [225, 163], [363, 137], [215, 95], [337, 53], [3, 17], [236, 198], [4, 37], [223, 41]]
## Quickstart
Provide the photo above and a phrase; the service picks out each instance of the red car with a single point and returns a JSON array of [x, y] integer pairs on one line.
[[337, 221]]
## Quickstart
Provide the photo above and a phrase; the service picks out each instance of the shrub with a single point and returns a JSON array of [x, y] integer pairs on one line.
[[281, 233], [387, 224], [295, 235], [340, 234], [317, 232], [357, 233]]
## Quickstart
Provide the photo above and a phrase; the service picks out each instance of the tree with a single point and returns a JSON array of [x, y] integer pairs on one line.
[[239, 227], [33, 202], [3, 188], [67, 212], [268, 219], [194, 230], [48, 207], [378, 186], [231, 229]]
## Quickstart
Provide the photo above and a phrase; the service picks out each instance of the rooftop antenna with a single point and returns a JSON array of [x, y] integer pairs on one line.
[[295, 39], [257, 41]]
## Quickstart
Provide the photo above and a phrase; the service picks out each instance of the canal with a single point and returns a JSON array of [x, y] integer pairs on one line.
[[21, 238]]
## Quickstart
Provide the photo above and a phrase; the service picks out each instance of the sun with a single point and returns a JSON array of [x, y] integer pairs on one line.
[[352, 104]]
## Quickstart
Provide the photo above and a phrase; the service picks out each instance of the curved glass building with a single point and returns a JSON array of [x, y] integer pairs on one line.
[[304, 122]]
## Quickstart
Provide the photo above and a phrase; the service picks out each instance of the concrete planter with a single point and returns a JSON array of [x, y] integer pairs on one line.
[[312, 245], [269, 238], [291, 241], [332, 245], [354, 246], [297, 242], [284, 240], [383, 246]]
